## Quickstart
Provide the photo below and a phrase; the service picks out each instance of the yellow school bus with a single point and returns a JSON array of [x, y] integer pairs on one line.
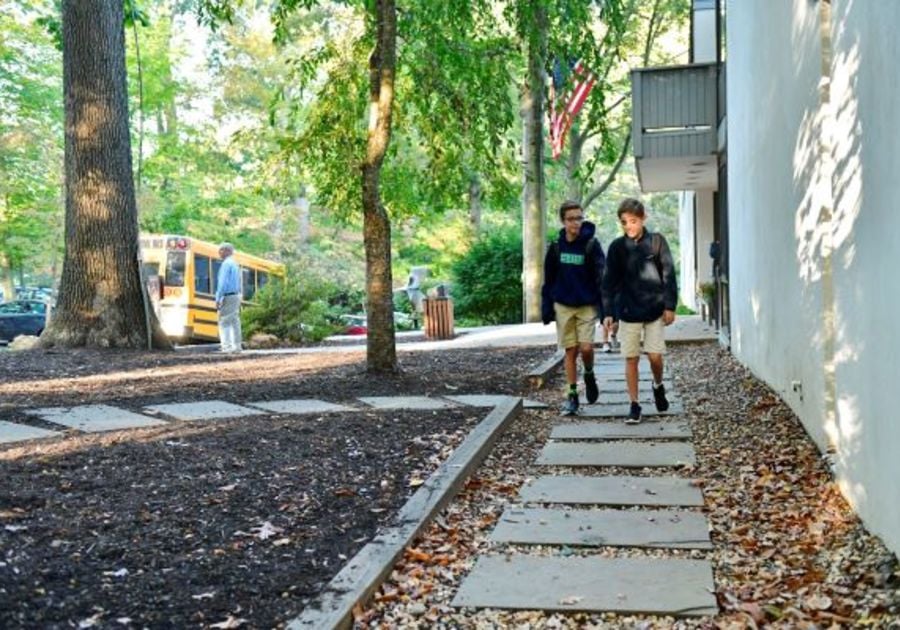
[[181, 274]]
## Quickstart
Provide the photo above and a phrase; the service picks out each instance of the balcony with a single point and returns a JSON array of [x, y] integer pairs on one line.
[[675, 127]]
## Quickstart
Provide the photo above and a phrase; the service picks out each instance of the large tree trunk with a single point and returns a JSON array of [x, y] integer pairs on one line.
[[475, 202], [534, 225], [101, 297], [381, 351]]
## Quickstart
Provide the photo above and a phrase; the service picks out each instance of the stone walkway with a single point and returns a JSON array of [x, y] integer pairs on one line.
[[101, 418], [564, 511]]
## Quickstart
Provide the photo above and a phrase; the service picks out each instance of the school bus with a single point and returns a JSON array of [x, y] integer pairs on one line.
[[181, 275]]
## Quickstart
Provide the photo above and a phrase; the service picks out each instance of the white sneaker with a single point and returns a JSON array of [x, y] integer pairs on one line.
[[606, 347]]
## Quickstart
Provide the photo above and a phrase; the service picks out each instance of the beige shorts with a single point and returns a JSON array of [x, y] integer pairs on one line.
[[630, 337], [574, 324]]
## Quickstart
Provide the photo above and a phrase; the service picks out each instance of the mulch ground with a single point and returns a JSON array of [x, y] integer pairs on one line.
[[239, 523], [233, 523]]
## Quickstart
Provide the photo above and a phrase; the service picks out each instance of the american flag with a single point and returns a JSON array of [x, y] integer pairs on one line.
[[565, 104]]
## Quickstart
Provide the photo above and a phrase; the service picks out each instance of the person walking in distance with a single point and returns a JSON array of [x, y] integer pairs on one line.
[[228, 300], [640, 280], [573, 271]]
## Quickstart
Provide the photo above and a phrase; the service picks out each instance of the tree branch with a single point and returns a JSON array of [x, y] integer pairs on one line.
[[599, 190]]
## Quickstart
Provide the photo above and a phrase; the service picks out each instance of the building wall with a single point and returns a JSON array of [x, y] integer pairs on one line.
[[809, 307], [705, 234], [866, 102], [688, 277]]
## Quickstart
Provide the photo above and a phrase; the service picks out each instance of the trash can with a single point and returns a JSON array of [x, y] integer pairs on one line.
[[438, 318]]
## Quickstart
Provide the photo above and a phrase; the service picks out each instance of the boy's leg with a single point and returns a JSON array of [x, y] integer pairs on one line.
[[655, 345], [630, 338], [567, 337], [585, 328]]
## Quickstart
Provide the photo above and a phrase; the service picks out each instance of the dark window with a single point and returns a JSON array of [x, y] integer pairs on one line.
[[216, 265], [201, 274], [248, 283], [262, 278], [175, 269], [150, 269]]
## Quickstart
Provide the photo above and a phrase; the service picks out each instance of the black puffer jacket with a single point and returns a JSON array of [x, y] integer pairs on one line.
[[639, 278]]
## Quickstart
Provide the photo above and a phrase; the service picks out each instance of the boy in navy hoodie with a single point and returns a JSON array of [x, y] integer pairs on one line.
[[573, 272]]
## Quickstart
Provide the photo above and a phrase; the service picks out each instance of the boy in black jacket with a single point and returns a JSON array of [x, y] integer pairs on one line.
[[641, 274], [573, 272]]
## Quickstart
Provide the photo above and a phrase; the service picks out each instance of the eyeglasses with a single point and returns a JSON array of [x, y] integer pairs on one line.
[[574, 219]]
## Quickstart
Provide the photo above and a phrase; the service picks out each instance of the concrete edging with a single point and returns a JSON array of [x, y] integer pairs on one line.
[[363, 573], [537, 377]]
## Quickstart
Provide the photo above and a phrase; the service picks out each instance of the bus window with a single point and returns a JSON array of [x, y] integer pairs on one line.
[[201, 274], [216, 265], [248, 283], [150, 269], [262, 278], [175, 264]]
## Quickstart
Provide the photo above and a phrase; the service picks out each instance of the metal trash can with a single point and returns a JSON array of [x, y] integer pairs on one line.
[[438, 318]]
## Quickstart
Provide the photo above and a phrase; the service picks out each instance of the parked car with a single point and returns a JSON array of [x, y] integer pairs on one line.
[[21, 317]]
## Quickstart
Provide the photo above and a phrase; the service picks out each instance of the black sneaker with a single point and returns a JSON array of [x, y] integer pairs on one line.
[[571, 406], [591, 392], [634, 414], [659, 397]]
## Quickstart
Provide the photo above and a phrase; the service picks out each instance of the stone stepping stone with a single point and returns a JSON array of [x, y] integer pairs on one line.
[[598, 410], [620, 431], [617, 386], [645, 397], [95, 418], [205, 410], [604, 528], [12, 432], [492, 400], [625, 454], [406, 402], [677, 587], [612, 490], [299, 406]]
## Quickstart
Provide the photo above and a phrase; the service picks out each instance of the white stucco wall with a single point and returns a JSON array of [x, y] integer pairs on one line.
[[783, 282], [866, 227], [776, 309], [688, 279], [705, 234]]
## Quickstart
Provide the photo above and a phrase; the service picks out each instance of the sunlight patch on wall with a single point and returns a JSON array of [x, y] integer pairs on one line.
[[847, 137]]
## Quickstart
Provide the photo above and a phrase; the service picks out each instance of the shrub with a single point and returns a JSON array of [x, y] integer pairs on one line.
[[488, 279], [297, 308]]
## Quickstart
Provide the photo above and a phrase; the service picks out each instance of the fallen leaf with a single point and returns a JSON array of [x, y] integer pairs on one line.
[[230, 622], [818, 602], [570, 600]]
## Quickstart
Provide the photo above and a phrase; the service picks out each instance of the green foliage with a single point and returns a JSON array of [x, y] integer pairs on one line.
[[488, 279], [296, 309]]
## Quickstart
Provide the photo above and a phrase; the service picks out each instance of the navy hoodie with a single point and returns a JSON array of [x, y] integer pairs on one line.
[[571, 277], [640, 280]]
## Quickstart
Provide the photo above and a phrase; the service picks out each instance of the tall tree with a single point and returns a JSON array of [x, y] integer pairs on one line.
[[381, 351], [101, 298]]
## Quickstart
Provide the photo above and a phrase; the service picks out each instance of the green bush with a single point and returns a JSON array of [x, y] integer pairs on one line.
[[488, 279], [297, 309]]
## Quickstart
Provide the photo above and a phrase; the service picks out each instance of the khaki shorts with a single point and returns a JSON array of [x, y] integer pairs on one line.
[[574, 324], [653, 333]]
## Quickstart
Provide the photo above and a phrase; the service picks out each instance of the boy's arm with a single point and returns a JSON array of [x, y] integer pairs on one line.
[[599, 263], [609, 285], [550, 262], [670, 283]]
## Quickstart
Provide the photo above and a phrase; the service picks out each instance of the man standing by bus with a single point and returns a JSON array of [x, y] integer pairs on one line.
[[228, 300]]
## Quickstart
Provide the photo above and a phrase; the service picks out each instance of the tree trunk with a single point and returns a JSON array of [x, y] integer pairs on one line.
[[534, 226], [381, 351], [475, 202], [574, 186], [101, 298]]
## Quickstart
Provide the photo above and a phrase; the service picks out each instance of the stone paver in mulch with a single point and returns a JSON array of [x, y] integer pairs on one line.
[[599, 410], [624, 454], [492, 400], [94, 418], [614, 528], [612, 490], [621, 585], [620, 430], [299, 406], [12, 432], [205, 410], [405, 402]]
